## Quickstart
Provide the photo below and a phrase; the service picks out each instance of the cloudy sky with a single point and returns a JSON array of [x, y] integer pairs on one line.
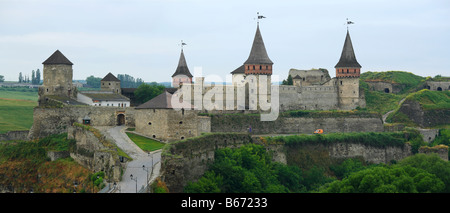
[[141, 38]]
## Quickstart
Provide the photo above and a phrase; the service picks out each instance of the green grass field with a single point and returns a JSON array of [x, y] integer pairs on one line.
[[30, 96], [16, 110], [144, 143]]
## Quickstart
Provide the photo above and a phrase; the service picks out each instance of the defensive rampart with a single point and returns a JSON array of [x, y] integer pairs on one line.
[[187, 160]]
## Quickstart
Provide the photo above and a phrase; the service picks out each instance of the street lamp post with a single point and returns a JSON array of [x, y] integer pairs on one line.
[[135, 179], [145, 169]]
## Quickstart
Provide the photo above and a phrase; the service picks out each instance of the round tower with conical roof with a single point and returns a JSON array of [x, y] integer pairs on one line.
[[347, 73], [182, 74], [258, 64]]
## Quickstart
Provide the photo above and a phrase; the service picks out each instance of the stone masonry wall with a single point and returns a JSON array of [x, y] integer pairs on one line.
[[187, 160], [300, 125], [48, 121], [14, 135], [91, 153]]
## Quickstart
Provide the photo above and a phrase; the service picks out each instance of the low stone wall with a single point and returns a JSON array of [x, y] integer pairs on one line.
[[440, 150], [187, 160], [298, 125], [48, 121], [14, 135], [55, 155]]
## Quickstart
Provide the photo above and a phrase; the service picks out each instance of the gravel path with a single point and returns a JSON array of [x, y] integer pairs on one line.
[[134, 167]]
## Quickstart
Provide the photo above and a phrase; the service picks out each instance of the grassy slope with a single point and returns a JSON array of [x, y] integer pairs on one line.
[[408, 79], [144, 143], [431, 99], [16, 114], [16, 109]]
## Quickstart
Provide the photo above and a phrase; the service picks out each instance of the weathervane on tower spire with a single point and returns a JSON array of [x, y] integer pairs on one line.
[[259, 17], [349, 22], [182, 44]]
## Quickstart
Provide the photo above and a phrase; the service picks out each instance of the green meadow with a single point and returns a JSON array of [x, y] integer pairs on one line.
[[144, 143], [16, 110]]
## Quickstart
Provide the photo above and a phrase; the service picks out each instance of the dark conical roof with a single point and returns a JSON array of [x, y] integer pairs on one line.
[[348, 58], [164, 101], [258, 54], [57, 58], [182, 68], [239, 70], [110, 77]]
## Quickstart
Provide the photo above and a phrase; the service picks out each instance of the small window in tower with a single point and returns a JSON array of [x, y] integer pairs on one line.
[[253, 67], [149, 123], [267, 67], [260, 67], [109, 83], [181, 122], [347, 70], [354, 71], [341, 82]]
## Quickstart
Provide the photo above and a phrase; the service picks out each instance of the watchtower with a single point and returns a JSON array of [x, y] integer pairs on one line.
[[182, 74], [110, 83], [347, 73], [58, 76]]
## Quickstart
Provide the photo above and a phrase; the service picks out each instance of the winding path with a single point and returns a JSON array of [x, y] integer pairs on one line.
[[134, 167]]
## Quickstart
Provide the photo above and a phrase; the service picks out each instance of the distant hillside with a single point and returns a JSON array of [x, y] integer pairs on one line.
[[430, 100], [424, 108], [407, 79]]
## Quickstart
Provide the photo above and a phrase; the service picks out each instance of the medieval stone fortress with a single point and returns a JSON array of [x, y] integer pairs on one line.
[[311, 90], [195, 118]]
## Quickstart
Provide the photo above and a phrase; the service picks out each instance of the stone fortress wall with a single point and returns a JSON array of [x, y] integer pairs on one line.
[[188, 160]]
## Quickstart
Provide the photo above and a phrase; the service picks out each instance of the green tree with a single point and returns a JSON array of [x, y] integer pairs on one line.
[[127, 81], [209, 183], [2, 78], [33, 77], [146, 92], [20, 77], [93, 81], [388, 179], [250, 169], [38, 76], [288, 81], [432, 164]]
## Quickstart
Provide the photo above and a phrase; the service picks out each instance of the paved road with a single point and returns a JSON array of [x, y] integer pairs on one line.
[[134, 167]]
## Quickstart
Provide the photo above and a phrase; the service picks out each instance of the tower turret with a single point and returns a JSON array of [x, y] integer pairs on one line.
[[258, 62], [58, 76], [110, 83], [182, 74], [348, 66], [347, 73]]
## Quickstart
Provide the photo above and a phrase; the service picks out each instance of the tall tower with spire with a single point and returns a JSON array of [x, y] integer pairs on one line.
[[257, 64], [347, 73], [182, 74]]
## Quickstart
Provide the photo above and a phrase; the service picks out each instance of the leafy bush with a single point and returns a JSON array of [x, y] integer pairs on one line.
[[57, 142], [249, 169], [416, 174]]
